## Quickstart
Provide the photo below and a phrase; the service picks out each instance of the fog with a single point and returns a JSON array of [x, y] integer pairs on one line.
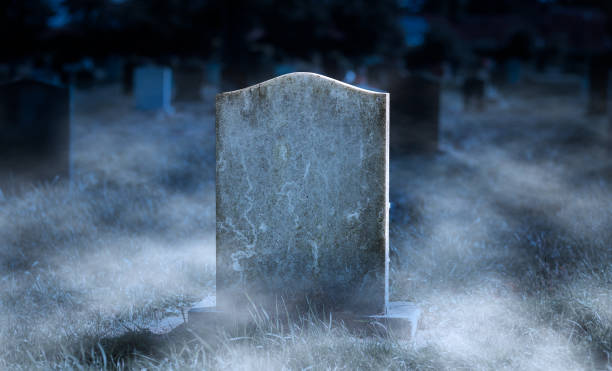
[[501, 236]]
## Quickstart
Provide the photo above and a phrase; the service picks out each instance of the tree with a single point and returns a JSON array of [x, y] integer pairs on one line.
[[22, 26]]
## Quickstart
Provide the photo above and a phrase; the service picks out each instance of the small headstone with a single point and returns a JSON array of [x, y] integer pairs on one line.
[[213, 73], [127, 77], [34, 131], [415, 113], [5, 73], [302, 196], [473, 91], [513, 71], [113, 69], [189, 80], [599, 69], [153, 88]]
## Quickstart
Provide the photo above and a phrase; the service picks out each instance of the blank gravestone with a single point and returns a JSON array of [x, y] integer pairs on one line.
[[415, 114], [127, 77], [188, 80], [513, 71], [599, 68], [153, 88], [302, 197], [34, 131], [473, 91]]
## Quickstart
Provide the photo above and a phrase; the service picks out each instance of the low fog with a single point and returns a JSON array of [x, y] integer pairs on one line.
[[501, 238], [500, 222]]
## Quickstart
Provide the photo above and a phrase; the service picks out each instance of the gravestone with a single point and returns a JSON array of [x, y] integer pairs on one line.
[[513, 71], [34, 131], [5, 73], [473, 91], [153, 88], [302, 195], [415, 113], [212, 72], [599, 68], [127, 77], [188, 80], [113, 69]]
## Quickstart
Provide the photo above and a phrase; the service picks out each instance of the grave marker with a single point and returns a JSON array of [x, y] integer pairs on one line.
[[415, 114], [513, 71], [153, 88], [34, 131], [473, 91], [189, 80], [127, 77], [599, 68], [302, 195]]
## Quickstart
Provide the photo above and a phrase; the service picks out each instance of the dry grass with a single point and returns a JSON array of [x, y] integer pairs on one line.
[[503, 240]]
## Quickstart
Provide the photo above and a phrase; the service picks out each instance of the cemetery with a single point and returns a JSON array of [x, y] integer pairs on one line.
[[260, 199]]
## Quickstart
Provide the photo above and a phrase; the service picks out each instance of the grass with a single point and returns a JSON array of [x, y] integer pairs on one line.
[[503, 240]]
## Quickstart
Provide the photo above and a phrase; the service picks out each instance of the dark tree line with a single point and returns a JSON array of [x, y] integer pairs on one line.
[[241, 33], [200, 27]]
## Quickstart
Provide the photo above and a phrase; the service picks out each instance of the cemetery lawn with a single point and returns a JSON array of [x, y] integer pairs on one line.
[[504, 239]]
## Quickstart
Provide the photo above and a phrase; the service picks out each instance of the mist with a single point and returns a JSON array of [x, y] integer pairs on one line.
[[499, 231]]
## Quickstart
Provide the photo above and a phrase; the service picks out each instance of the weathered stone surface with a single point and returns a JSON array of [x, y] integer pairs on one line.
[[153, 88], [34, 131], [302, 195]]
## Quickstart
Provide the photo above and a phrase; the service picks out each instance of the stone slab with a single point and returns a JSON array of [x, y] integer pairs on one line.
[[415, 115], [473, 91], [153, 88], [598, 81], [189, 80], [34, 131], [302, 195]]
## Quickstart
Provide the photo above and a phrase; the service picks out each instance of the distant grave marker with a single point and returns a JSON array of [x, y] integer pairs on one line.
[[473, 91], [127, 77], [599, 72], [415, 114], [5, 73], [513, 71], [189, 80], [113, 69], [34, 131], [153, 88]]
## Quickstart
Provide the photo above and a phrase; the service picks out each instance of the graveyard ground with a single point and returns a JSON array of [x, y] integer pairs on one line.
[[503, 239]]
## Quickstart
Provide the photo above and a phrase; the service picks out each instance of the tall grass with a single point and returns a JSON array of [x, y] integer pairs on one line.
[[504, 241]]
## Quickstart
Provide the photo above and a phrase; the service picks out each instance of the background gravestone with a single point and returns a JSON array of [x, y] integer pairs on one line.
[[127, 77], [188, 81], [415, 115], [34, 131], [153, 88], [473, 92], [302, 195], [599, 68], [513, 71]]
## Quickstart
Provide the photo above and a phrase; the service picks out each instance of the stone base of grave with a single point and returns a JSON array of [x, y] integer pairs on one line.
[[401, 320]]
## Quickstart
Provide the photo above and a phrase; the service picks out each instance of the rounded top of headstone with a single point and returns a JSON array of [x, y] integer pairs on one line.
[[301, 78]]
